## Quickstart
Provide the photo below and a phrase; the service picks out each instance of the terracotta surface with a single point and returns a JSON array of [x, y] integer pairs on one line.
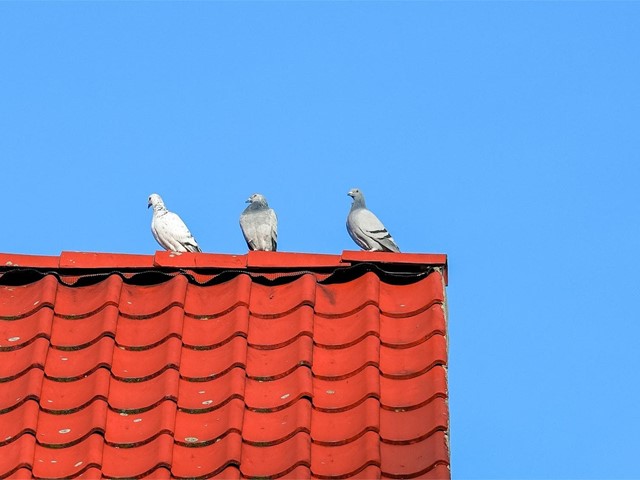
[[274, 365]]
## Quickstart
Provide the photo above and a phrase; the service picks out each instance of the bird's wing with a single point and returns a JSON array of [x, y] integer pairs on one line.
[[370, 226], [272, 221], [178, 234], [260, 229], [247, 226]]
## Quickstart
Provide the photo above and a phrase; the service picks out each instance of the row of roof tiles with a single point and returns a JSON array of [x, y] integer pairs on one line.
[[252, 259]]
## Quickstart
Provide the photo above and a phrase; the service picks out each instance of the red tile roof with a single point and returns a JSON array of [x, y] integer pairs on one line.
[[278, 365]]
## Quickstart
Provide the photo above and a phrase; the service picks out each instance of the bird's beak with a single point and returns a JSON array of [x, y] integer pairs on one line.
[[248, 200], [148, 205]]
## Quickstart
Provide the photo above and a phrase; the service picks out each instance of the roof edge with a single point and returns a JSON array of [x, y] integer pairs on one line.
[[251, 260]]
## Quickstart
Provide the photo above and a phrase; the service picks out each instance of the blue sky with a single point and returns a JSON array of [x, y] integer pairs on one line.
[[505, 134]]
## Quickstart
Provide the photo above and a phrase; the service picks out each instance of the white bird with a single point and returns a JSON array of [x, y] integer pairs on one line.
[[168, 228], [365, 228], [259, 224]]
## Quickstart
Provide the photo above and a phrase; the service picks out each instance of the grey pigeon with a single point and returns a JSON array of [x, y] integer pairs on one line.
[[259, 224], [365, 228], [168, 228]]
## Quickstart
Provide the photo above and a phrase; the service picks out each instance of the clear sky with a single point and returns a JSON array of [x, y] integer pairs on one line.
[[505, 134]]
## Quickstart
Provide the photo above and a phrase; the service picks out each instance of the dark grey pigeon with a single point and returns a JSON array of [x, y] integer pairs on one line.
[[259, 224], [168, 228], [365, 228]]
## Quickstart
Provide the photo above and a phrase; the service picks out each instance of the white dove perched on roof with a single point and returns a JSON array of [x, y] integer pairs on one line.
[[168, 228], [365, 228], [259, 224]]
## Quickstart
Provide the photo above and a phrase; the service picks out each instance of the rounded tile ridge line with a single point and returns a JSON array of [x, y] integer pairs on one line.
[[17, 436], [418, 439], [93, 431], [270, 316], [229, 463], [277, 441], [81, 316], [22, 373], [33, 311], [299, 463], [222, 313], [417, 474], [370, 463], [26, 343]]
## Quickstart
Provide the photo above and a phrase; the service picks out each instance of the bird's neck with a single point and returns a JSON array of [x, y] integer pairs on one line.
[[257, 206], [358, 203]]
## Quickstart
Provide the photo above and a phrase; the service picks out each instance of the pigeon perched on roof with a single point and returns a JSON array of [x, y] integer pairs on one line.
[[168, 228], [259, 224], [365, 228]]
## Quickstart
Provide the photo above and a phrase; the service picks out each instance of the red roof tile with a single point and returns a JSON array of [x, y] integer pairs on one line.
[[276, 365]]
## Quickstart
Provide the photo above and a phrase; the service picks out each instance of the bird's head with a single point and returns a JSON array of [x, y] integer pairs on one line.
[[257, 198], [354, 193], [155, 200]]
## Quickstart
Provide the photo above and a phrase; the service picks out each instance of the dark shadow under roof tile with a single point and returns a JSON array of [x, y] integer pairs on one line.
[[349, 459], [20, 420], [413, 391], [269, 363], [15, 392], [74, 302], [212, 394], [340, 427], [342, 299], [124, 429], [274, 460], [213, 362], [270, 301], [16, 362], [142, 333], [193, 429], [141, 301], [214, 300], [205, 461], [17, 454], [411, 425], [276, 426], [64, 396], [345, 361], [413, 360], [344, 394], [21, 301], [341, 331], [77, 332], [16, 334], [404, 300], [138, 460], [68, 462], [125, 396], [69, 428], [130, 364], [414, 329], [212, 332], [269, 332], [415, 459], [73, 364], [276, 394]]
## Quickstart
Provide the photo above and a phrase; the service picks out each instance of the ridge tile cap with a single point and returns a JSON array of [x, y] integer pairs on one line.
[[199, 260], [104, 260], [358, 256], [292, 260], [21, 260]]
